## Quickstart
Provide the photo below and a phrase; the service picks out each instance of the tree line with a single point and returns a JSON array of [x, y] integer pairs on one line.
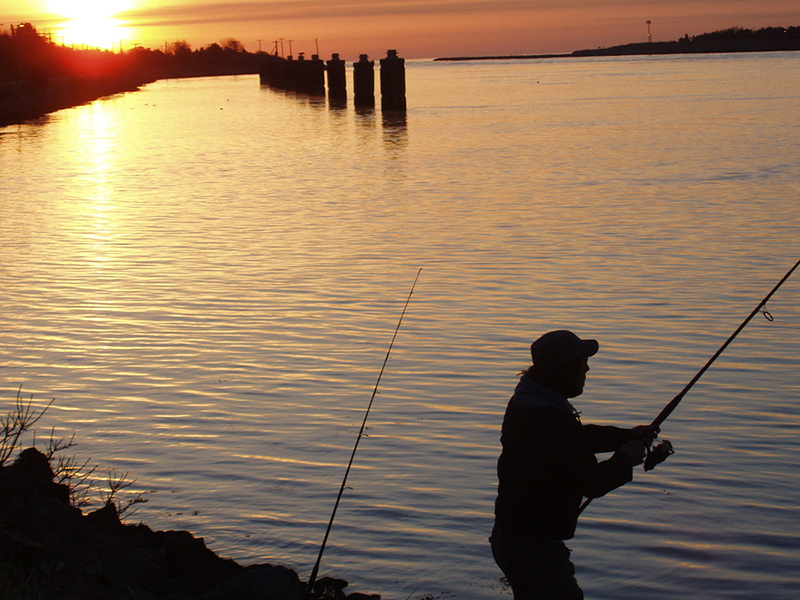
[[31, 59], [734, 39]]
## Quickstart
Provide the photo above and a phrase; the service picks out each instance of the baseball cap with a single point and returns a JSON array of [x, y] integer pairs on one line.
[[561, 346]]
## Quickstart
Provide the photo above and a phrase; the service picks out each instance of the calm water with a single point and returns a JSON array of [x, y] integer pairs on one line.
[[206, 276]]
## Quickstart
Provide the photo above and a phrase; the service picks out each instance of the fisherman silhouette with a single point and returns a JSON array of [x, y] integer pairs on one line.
[[548, 465]]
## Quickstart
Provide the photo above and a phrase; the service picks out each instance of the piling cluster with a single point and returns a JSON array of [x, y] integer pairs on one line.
[[307, 77]]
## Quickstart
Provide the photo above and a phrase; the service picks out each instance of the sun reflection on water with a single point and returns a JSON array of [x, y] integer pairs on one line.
[[99, 207]]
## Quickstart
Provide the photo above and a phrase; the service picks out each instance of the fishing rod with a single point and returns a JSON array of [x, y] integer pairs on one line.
[[313, 578], [664, 449], [667, 411]]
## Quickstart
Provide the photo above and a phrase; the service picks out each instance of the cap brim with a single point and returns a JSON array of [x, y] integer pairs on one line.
[[590, 347]]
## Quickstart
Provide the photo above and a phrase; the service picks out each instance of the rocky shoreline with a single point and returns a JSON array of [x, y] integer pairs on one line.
[[51, 549]]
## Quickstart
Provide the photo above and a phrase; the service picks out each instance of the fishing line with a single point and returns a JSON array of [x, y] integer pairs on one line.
[[667, 410], [313, 578]]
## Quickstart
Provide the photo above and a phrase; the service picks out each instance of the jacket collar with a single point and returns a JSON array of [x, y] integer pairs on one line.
[[532, 394]]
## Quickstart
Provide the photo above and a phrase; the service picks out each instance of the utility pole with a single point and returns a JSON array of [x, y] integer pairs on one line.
[[290, 47], [316, 43], [649, 37], [259, 45]]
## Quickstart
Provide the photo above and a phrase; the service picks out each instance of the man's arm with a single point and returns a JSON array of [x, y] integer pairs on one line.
[[607, 438]]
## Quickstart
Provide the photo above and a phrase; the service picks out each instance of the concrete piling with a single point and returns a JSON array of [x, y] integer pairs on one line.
[[302, 79], [290, 68], [364, 82], [315, 76], [307, 77], [337, 79], [393, 82]]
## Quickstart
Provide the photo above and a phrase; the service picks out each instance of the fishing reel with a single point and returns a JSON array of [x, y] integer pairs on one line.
[[657, 454]]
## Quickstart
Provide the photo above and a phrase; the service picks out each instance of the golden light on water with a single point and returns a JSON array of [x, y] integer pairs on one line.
[[92, 23]]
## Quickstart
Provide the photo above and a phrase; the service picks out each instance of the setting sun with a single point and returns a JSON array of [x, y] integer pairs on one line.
[[92, 23]]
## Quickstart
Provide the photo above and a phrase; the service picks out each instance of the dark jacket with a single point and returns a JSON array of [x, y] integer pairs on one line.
[[548, 464]]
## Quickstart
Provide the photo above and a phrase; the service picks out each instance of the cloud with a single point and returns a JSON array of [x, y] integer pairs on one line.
[[198, 12], [442, 26], [231, 12]]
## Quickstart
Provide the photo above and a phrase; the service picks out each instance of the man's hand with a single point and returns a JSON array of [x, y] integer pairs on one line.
[[645, 433], [635, 450]]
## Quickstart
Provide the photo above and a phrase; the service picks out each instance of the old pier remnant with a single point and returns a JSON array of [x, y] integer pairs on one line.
[[364, 82], [314, 76], [393, 82], [307, 77], [337, 79]]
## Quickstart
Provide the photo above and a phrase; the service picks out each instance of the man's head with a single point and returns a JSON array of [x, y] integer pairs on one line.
[[560, 361]]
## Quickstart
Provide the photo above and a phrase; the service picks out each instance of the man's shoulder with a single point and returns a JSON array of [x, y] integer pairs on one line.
[[544, 415], [532, 394]]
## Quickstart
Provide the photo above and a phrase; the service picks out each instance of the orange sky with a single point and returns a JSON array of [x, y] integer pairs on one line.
[[416, 28]]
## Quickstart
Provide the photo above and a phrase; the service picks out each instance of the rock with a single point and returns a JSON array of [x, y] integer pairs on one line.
[[104, 518], [260, 582], [53, 550], [31, 476]]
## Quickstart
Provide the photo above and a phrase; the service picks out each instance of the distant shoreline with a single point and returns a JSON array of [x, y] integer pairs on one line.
[[502, 57], [683, 46]]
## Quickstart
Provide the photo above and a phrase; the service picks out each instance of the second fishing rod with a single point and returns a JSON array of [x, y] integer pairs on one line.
[[315, 571]]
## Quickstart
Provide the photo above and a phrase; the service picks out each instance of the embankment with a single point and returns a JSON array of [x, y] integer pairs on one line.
[[51, 549], [20, 102]]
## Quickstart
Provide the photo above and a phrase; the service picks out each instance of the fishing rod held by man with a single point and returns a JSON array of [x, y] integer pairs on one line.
[[547, 463], [667, 410], [660, 453]]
